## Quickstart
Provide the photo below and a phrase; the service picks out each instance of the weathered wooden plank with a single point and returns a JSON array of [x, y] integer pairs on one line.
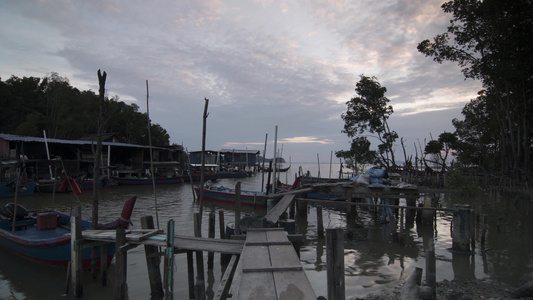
[[293, 285], [180, 242], [272, 269], [225, 282], [269, 268], [276, 211]]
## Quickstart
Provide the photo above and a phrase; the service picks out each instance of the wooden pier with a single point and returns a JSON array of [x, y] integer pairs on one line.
[[269, 268], [263, 263]]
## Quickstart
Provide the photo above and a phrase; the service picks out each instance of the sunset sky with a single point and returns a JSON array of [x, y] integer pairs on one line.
[[293, 64]]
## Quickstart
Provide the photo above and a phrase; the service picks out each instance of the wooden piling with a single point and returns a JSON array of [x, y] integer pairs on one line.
[[320, 222], [152, 261], [431, 268], [237, 208], [103, 264], [483, 231], [221, 224], [190, 273], [199, 286], [121, 265], [461, 231], [335, 263], [75, 255], [211, 235], [169, 253]]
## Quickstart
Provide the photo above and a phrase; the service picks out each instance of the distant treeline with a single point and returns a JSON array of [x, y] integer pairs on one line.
[[30, 105]]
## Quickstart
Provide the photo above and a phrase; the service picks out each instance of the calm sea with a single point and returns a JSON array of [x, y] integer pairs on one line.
[[373, 258]]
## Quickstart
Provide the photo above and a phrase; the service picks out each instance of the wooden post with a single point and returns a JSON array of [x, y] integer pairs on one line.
[[335, 263], [319, 221], [190, 272], [431, 268], [483, 230], [461, 233], [428, 215], [237, 208], [152, 261], [211, 235], [221, 224], [199, 287], [169, 294], [121, 265], [301, 207], [75, 255], [103, 264]]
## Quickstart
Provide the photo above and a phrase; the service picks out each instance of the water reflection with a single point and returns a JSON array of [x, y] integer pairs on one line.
[[377, 255]]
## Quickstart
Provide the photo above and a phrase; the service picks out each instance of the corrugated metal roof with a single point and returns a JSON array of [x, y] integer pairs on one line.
[[239, 151], [20, 138]]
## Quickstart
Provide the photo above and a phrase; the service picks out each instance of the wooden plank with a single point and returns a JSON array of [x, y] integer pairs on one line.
[[276, 211], [180, 242], [269, 268], [225, 282], [268, 243], [293, 285], [272, 269]]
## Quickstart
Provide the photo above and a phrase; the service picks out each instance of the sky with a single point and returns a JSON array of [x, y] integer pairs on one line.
[[263, 64]]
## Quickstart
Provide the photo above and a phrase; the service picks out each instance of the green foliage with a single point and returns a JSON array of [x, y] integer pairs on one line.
[[369, 112], [31, 105], [491, 42], [359, 153]]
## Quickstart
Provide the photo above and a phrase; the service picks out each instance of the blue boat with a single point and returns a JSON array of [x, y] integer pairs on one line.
[[9, 189], [45, 236]]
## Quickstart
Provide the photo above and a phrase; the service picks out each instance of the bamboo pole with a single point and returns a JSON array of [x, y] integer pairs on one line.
[[151, 155], [274, 181], [263, 167], [205, 115]]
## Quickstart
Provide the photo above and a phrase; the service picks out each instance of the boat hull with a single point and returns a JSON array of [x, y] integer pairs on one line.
[[9, 190], [49, 246], [146, 181], [226, 195], [45, 238]]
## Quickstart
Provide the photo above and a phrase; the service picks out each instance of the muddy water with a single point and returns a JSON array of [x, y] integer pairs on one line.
[[375, 258]]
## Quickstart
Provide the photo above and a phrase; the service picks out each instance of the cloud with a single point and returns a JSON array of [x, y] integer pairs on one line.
[[260, 63]]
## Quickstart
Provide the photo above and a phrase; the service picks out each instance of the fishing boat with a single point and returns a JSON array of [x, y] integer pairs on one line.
[[9, 189], [233, 174], [14, 179], [131, 180], [210, 172], [164, 173], [219, 193], [45, 236]]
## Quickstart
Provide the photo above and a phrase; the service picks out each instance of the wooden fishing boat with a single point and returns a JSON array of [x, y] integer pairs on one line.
[[147, 180], [45, 236], [310, 179], [218, 193], [210, 172], [164, 173], [233, 174], [9, 189], [86, 184]]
